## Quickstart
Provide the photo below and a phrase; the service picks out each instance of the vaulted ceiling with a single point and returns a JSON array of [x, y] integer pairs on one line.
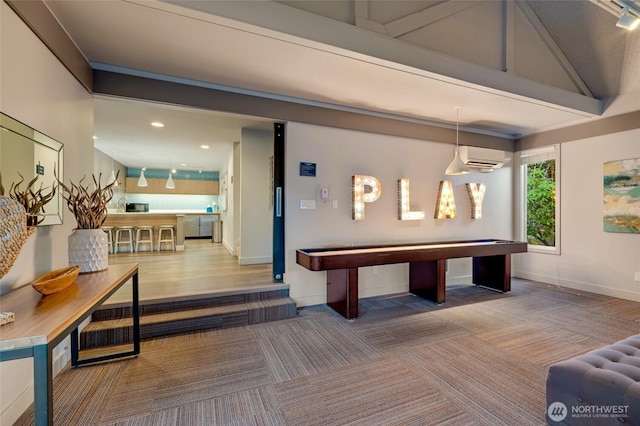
[[515, 67]]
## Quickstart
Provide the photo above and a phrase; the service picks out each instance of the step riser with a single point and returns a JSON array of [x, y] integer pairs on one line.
[[124, 334], [207, 302]]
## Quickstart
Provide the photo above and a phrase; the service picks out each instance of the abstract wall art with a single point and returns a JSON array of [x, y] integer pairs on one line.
[[622, 196]]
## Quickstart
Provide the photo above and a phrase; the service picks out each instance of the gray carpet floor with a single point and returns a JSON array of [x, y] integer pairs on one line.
[[479, 359]]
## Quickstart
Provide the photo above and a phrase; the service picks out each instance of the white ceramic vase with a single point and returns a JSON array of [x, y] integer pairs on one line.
[[89, 248]]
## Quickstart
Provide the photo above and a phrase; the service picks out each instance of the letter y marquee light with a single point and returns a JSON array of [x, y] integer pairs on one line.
[[446, 204], [404, 207], [364, 189], [476, 195]]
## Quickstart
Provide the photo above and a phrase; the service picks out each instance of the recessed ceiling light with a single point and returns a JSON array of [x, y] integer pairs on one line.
[[204, 146], [157, 124], [183, 164]]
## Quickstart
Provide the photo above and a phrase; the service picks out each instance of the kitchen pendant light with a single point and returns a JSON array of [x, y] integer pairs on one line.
[[457, 166], [142, 181], [112, 178], [170, 184]]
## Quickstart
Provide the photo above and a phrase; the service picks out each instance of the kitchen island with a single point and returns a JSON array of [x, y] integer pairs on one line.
[[154, 219], [179, 219]]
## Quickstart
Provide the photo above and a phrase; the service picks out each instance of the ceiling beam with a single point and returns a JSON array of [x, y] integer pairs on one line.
[[199, 95], [285, 23], [426, 16], [553, 47], [37, 16]]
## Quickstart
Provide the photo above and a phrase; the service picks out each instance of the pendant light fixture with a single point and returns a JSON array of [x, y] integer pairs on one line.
[[457, 166], [112, 178], [170, 184], [142, 181]]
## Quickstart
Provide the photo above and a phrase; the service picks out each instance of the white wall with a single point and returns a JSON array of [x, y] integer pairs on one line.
[[590, 259], [339, 154], [256, 214], [234, 203], [38, 91], [226, 215]]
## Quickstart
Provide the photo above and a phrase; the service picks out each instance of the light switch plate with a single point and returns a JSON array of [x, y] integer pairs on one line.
[[335, 204], [307, 204]]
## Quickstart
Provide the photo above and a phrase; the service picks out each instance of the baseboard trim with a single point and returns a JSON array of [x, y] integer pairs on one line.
[[579, 285], [255, 260], [18, 406]]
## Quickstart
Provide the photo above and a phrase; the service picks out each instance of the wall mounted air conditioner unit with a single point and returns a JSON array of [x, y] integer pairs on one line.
[[482, 158]]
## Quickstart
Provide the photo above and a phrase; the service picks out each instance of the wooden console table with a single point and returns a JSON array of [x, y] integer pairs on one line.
[[427, 267], [42, 322]]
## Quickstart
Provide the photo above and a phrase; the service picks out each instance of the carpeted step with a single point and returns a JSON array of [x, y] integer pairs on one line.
[[119, 331], [189, 303]]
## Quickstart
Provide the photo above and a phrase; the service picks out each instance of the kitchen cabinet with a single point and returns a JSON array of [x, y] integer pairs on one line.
[[157, 186], [199, 226], [191, 226]]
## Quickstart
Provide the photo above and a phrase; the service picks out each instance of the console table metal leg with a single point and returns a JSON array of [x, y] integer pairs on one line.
[[135, 312], [428, 279], [342, 291], [42, 385]]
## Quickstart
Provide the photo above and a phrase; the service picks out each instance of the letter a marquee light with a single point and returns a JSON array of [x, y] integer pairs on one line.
[[446, 203]]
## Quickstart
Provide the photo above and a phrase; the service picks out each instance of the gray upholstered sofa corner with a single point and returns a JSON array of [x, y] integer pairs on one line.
[[601, 387]]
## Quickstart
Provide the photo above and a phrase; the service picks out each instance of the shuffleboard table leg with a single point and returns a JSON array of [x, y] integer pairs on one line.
[[493, 272], [342, 291], [428, 279]]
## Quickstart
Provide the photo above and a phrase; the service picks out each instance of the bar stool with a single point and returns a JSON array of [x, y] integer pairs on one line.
[[124, 236], [140, 230], [109, 231], [169, 239]]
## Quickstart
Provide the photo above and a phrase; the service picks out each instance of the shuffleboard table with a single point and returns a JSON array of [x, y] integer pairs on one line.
[[427, 267]]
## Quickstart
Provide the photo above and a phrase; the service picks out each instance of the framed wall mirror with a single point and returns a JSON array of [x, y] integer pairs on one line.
[[28, 153]]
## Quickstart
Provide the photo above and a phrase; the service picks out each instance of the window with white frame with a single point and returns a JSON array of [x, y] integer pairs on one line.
[[540, 200]]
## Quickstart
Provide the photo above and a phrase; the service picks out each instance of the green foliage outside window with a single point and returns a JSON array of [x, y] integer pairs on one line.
[[541, 203]]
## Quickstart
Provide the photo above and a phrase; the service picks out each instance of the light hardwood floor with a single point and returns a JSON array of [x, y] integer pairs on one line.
[[202, 268]]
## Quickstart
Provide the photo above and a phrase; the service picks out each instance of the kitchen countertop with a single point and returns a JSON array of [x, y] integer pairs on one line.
[[199, 212]]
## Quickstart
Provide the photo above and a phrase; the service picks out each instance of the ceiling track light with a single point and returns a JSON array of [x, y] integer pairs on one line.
[[628, 21]]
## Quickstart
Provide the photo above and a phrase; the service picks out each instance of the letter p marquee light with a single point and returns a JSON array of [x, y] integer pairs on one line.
[[364, 189]]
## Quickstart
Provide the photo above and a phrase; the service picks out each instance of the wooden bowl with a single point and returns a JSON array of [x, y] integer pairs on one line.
[[57, 280]]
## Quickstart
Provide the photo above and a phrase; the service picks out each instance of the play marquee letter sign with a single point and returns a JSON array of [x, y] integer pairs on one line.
[[367, 189]]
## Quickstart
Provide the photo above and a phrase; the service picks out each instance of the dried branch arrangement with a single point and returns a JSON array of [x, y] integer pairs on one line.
[[32, 200], [88, 206]]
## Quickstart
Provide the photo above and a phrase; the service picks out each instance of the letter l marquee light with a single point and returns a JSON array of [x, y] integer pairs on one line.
[[404, 207]]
